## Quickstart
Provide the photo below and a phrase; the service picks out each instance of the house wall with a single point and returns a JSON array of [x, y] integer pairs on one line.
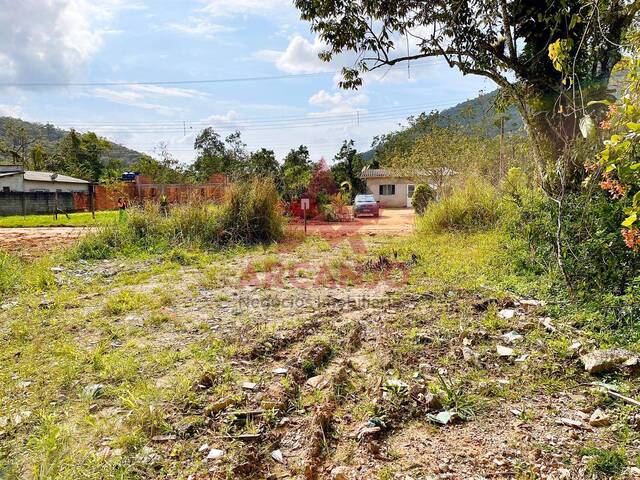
[[32, 186], [398, 200], [14, 182], [26, 203]]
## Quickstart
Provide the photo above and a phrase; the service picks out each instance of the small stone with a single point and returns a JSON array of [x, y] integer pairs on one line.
[[600, 361], [531, 303], [504, 351], [507, 313], [57, 269], [319, 382], [340, 473], [163, 438], [599, 419], [575, 346], [249, 386], [280, 371], [548, 324], [512, 337], [470, 356], [277, 456], [522, 358], [215, 454], [571, 423], [203, 447]]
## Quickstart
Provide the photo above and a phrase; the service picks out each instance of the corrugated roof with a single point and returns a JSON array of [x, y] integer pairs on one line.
[[375, 172], [46, 177], [380, 173]]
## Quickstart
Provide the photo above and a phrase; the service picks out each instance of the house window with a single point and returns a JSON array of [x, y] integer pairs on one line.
[[387, 189], [6, 189]]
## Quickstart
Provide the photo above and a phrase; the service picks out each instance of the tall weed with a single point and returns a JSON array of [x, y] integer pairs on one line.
[[475, 205], [250, 214]]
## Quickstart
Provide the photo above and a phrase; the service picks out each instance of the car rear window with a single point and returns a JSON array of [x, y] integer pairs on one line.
[[365, 199]]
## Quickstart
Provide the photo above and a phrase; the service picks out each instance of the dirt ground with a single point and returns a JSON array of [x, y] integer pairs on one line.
[[33, 241], [398, 221], [310, 362]]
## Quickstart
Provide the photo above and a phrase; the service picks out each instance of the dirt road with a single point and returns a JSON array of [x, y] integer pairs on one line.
[[390, 222]]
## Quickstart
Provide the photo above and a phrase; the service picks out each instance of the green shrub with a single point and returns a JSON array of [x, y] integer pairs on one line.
[[249, 215], [423, 195], [473, 206], [605, 463]]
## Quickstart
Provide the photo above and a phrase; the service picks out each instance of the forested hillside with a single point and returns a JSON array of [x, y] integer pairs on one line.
[[477, 115], [20, 135]]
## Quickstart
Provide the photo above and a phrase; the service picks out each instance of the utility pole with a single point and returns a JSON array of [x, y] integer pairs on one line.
[[55, 196], [501, 146]]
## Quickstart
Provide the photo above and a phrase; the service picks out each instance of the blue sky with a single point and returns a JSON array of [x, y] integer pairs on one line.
[[92, 41]]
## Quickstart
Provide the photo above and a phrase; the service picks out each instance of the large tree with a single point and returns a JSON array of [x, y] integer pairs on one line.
[[218, 156], [540, 52], [347, 166]]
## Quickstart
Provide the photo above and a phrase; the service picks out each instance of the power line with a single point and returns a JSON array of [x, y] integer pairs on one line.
[[267, 123], [180, 82]]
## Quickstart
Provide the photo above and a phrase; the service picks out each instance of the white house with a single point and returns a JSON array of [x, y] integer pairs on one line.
[[395, 189], [14, 178], [389, 189]]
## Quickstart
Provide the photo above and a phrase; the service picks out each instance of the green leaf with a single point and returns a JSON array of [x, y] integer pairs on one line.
[[630, 220], [633, 126]]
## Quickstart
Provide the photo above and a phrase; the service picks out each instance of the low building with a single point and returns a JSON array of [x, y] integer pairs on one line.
[[389, 189], [15, 179]]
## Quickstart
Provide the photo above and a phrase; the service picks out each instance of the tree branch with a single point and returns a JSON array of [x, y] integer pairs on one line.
[[507, 30]]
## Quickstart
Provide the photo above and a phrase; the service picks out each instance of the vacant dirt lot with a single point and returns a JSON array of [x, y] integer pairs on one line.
[[312, 361]]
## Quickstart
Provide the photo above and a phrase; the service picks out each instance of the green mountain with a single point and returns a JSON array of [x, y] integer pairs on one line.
[[476, 114], [48, 136]]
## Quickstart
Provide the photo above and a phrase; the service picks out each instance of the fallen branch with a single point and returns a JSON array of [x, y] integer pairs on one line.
[[615, 394]]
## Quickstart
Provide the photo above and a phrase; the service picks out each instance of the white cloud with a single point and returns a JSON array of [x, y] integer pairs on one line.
[[133, 98], [10, 111], [160, 91], [300, 56], [200, 27], [339, 102], [232, 8], [51, 40], [229, 118]]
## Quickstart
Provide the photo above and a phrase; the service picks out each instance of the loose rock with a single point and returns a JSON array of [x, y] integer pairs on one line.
[[599, 418], [600, 361], [504, 351]]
